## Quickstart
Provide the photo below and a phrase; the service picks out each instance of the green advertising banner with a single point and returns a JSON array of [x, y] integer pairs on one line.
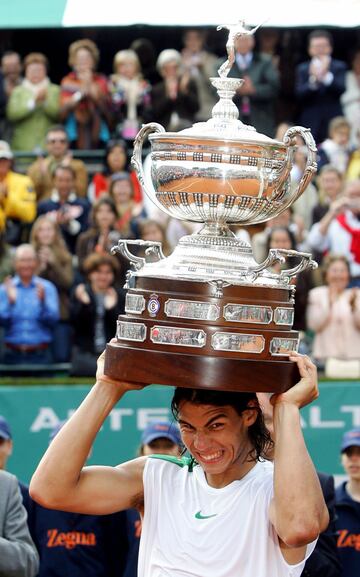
[[33, 411]]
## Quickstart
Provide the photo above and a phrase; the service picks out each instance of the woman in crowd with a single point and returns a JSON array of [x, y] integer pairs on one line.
[[122, 193], [55, 266], [33, 105], [154, 231], [330, 184], [101, 236], [333, 313], [116, 160], [85, 98], [130, 94], [95, 306], [175, 99]]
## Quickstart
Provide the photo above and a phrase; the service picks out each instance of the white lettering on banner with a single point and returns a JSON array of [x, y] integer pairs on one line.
[[316, 422], [355, 411], [116, 418], [46, 419], [146, 416]]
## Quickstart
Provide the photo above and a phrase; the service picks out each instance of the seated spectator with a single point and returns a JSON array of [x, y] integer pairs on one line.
[[350, 99], [333, 313], [338, 231], [116, 160], [201, 65], [85, 99], [336, 149], [122, 192], [282, 237], [42, 170], [101, 236], [155, 231], [17, 199], [175, 99], [34, 105], [6, 258], [95, 307], [77, 545], [130, 95], [64, 207], [29, 309], [10, 77], [330, 184], [55, 265]]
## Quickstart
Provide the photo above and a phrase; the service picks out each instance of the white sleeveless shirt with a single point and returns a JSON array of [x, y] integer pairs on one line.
[[190, 529]]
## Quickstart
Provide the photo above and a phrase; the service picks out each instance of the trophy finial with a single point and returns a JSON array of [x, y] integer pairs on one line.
[[235, 30]]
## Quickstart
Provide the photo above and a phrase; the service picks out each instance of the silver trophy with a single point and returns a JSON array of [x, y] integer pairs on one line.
[[210, 298]]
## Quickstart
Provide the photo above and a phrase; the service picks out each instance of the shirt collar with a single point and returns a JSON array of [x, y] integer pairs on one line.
[[17, 281], [56, 198]]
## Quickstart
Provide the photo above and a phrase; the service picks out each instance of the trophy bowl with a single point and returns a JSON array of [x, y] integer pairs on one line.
[[209, 315]]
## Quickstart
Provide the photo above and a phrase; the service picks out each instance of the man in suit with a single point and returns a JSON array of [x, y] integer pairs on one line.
[[18, 556], [319, 85], [256, 97]]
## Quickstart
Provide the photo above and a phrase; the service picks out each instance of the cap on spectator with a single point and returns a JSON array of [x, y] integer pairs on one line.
[[5, 150], [161, 430], [5, 431], [55, 430], [350, 439]]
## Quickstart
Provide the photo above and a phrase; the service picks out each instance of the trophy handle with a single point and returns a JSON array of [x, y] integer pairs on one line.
[[311, 164], [138, 262], [280, 255], [136, 160]]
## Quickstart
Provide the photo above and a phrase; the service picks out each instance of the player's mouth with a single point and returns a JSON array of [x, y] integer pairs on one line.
[[210, 458]]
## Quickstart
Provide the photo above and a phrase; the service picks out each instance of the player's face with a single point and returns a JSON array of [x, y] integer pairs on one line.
[[217, 438], [351, 462]]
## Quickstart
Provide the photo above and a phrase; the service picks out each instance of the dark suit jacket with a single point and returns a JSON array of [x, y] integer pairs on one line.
[[319, 104], [324, 561], [266, 82]]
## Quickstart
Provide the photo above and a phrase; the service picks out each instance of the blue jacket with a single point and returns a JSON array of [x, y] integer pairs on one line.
[[348, 530]]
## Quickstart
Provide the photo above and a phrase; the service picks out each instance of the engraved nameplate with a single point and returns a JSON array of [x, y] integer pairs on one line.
[[130, 331], [238, 342], [282, 346], [180, 337], [248, 314], [284, 316], [134, 303], [192, 310]]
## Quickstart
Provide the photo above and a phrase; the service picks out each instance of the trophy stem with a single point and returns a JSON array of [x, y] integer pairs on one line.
[[216, 229]]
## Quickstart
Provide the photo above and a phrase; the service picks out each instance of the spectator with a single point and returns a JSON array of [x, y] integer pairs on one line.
[[34, 105], [18, 556], [6, 449], [336, 150], [42, 170], [350, 99], [304, 205], [155, 231], [101, 236], [17, 198], [330, 184], [256, 97], [146, 53], [174, 99], [338, 231], [85, 98], [319, 85], [116, 160], [95, 307], [10, 77], [64, 207], [333, 313], [159, 438], [29, 308], [130, 95], [76, 545], [348, 505], [259, 240], [353, 171], [201, 65], [55, 265], [122, 193]]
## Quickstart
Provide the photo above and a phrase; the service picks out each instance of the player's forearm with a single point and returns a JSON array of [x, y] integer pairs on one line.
[[59, 471], [300, 509]]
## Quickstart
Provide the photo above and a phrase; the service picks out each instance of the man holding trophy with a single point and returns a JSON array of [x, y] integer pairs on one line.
[[216, 324]]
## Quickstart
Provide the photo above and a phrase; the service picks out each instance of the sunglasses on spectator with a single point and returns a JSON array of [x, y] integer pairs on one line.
[[55, 140]]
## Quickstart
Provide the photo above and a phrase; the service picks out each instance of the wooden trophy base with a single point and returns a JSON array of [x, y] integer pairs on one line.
[[179, 333]]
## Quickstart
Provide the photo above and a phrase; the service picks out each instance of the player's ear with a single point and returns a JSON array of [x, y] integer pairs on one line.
[[251, 413]]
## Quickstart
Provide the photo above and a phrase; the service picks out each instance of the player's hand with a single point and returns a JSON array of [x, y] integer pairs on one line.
[[122, 385], [306, 390]]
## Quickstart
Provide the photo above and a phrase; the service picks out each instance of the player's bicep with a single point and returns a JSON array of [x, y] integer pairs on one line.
[[292, 555]]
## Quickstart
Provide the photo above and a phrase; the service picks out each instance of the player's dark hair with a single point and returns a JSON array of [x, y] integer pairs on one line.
[[259, 436]]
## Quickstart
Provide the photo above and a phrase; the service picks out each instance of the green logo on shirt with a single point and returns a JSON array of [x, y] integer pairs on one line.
[[198, 515]]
